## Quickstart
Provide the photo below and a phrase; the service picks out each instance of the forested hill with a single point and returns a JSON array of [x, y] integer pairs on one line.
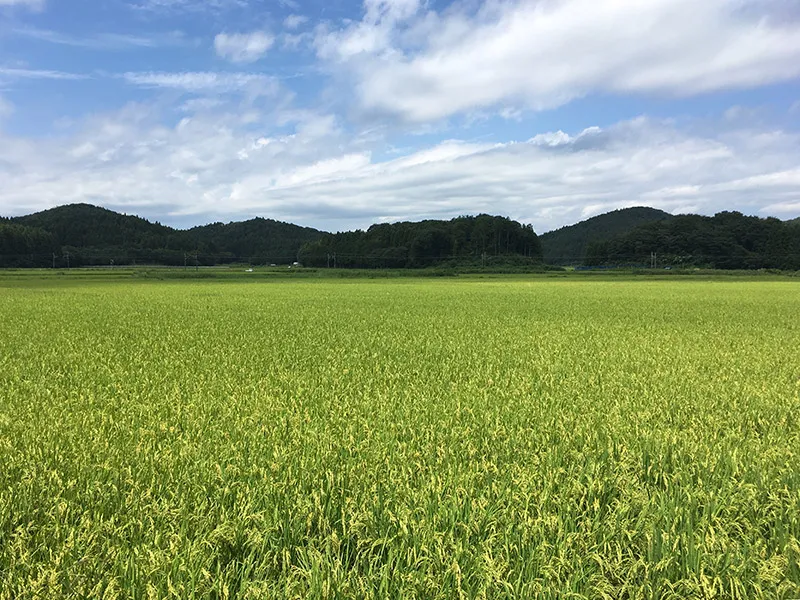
[[568, 245], [82, 234], [480, 240], [728, 240], [87, 226], [259, 240]]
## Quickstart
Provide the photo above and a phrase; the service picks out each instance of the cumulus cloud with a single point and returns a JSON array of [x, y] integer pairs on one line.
[[372, 36], [422, 65], [301, 166], [243, 47]]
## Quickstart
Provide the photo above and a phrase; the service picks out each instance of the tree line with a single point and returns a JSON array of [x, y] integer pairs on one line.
[[728, 240], [468, 240], [85, 235], [568, 245]]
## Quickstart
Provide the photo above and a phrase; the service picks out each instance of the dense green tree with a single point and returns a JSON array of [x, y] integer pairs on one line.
[[728, 240], [261, 240], [81, 234], [463, 240], [568, 245], [91, 235], [22, 246]]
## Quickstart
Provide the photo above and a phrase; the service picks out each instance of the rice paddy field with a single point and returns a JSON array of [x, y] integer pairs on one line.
[[413, 438]]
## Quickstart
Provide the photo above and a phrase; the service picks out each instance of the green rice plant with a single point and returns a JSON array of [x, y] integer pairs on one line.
[[499, 438]]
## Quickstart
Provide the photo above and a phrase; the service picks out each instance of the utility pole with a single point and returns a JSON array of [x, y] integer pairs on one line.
[[334, 260], [54, 260], [66, 255]]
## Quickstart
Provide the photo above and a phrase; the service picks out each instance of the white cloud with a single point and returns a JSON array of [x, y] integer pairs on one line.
[[295, 41], [243, 47], [190, 81], [552, 139], [787, 210], [15, 73], [202, 81], [294, 21], [102, 41], [390, 10], [6, 108], [372, 36], [223, 160], [34, 4], [421, 65], [194, 105], [190, 5]]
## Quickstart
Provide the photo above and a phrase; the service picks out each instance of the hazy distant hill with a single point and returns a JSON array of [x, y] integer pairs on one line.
[[91, 235], [568, 245]]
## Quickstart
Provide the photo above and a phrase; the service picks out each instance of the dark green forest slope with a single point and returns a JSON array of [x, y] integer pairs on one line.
[[568, 245], [262, 240], [18, 241], [728, 240], [481, 240], [82, 234]]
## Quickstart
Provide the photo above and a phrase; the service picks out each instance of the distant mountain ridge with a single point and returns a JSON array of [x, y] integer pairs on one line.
[[568, 245], [86, 225], [728, 240], [482, 240], [86, 235], [91, 235], [83, 234]]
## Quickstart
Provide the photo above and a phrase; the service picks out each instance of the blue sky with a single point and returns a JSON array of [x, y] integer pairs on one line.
[[339, 114]]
